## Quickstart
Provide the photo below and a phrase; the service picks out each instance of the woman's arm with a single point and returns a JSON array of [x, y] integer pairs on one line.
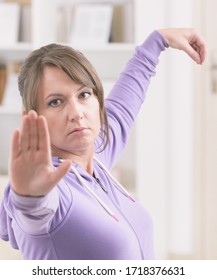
[[33, 213], [128, 93], [31, 198]]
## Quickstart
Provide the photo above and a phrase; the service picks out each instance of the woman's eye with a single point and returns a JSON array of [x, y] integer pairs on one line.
[[84, 95], [54, 103]]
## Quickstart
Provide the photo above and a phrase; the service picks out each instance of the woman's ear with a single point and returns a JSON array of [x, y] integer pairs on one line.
[[23, 111]]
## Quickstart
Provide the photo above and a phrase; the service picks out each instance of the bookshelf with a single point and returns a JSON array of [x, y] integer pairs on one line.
[[47, 18]]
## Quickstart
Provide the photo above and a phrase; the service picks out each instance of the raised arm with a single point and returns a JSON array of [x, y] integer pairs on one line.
[[128, 93]]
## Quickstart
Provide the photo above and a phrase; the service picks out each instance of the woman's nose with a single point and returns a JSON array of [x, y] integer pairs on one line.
[[75, 112]]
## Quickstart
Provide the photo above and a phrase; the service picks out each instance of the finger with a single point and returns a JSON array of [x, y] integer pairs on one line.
[[202, 52], [33, 135], [60, 172], [15, 145], [199, 46], [196, 48], [24, 135], [44, 136], [190, 50], [199, 54]]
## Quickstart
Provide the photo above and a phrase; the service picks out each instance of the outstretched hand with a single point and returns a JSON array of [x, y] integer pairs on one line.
[[188, 40], [30, 167]]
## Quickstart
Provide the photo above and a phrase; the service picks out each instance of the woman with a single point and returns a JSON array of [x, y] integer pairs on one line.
[[62, 202]]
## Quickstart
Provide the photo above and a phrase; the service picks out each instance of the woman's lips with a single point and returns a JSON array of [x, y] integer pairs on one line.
[[77, 130]]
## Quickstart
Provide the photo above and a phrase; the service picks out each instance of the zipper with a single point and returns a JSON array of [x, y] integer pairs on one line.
[[101, 185]]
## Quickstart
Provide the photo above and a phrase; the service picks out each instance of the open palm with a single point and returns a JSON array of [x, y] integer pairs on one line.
[[30, 167]]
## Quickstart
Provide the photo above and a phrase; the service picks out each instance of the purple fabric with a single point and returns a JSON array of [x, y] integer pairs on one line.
[[69, 223]]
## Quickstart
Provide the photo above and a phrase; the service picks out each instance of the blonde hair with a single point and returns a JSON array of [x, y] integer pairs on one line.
[[74, 64]]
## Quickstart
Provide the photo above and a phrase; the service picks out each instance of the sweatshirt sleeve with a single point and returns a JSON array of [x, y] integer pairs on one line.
[[126, 97], [34, 214]]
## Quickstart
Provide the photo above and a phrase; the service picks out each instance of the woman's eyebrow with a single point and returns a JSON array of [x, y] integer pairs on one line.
[[56, 94], [53, 95]]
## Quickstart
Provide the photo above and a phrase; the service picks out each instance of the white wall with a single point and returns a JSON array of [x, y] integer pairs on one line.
[[181, 139], [165, 133]]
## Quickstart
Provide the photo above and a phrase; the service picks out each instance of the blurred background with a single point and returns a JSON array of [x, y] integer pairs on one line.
[[170, 164]]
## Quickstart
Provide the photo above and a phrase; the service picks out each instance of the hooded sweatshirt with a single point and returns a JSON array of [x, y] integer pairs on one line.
[[89, 217]]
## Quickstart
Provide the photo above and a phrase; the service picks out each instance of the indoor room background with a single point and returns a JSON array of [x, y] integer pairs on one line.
[[170, 162]]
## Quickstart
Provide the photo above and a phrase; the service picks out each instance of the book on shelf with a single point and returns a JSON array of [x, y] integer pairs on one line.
[[24, 25], [95, 23], [11, 97], [3, 78], [9, 23], [91, 23], [21, 2], [122, 30]]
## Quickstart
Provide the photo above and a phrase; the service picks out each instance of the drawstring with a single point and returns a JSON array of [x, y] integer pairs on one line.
[[117, 184], [86, 186]]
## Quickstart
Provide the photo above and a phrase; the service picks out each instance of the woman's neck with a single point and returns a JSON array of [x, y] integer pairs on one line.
[[85, 160]]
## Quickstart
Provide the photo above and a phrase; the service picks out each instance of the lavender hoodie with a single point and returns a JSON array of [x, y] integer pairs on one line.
[[69, 223]]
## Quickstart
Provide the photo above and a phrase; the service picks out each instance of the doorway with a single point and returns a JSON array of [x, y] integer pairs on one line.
[[205, 187]]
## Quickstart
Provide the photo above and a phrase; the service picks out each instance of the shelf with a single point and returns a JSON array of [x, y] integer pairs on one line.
[[17, 52], [105, 57], [109, 47], [9, 111]]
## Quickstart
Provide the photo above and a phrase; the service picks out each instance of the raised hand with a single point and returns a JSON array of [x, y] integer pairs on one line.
[[30, 165], [188, 40]]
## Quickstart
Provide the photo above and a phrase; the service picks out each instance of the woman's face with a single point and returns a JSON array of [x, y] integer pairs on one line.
[[72, 113]]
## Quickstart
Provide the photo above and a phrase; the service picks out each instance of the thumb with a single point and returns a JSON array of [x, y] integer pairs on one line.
[[61, 171], [192, 52]]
